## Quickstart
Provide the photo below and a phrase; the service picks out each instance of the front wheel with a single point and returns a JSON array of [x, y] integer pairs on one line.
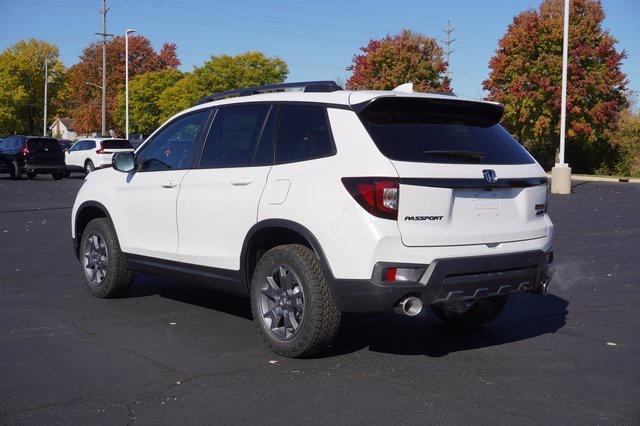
[[291, 303], [470, 314], [103, 265]]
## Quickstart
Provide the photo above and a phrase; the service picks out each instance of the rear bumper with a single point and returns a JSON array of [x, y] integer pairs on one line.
[[449, 280], [29, 167]]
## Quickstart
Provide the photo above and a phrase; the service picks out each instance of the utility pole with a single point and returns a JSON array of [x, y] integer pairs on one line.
[[561, 173], [448, 41], [46, 81], [104, 35]]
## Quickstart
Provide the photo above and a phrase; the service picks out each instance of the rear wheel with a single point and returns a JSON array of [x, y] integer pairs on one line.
[[31, 175], [89, 167], [103, 266], [291, 303], [15, 171], [470, 314]]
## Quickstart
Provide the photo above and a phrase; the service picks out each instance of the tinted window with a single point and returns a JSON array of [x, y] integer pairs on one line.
[[303, 133], [437, 131], [264, 153], [42, 144], [89, 145], [116, 144], [233, 137], [11, 143], [173, 147]]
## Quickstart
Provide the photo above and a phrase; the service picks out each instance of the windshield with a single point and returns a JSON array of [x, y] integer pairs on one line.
[[441, 131]]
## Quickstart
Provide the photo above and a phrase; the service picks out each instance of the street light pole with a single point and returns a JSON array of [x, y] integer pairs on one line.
[[126, 79], [561, 173], [46, 81]]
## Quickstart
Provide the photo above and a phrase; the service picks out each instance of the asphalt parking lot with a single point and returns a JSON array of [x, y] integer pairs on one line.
[[173, 353]]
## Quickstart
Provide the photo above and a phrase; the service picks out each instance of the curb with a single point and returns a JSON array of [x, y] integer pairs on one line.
[[592, 178]]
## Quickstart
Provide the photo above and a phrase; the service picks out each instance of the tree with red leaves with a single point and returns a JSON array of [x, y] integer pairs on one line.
[[526, 76], [86, 110], [407, 57]]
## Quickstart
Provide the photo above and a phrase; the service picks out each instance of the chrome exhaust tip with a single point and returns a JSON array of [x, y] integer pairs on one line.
[[543, 287], [409, 306]]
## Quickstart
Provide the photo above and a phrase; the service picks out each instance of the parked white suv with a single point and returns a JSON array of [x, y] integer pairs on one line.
[[324, 201], [86, 155]]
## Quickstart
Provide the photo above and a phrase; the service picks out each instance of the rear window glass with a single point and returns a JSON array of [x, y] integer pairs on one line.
[[43, 145], [116, 144], [441, 131]]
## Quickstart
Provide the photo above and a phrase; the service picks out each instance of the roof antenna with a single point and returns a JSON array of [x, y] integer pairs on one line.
[[404, 88]]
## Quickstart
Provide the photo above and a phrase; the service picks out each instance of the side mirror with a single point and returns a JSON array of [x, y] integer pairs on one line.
[[124, 161]]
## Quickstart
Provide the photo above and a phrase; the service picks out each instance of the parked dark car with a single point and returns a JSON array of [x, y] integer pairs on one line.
[[65, 144], [31, 155]]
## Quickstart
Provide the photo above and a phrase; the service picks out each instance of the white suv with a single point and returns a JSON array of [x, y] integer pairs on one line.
[[86, 155], [323, 201]]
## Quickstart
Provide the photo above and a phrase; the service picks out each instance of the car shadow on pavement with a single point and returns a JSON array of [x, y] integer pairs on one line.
[[147, 285], [525, 316]]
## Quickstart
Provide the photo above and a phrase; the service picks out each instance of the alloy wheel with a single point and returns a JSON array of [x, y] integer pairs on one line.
[[282, 302], [96, 257]]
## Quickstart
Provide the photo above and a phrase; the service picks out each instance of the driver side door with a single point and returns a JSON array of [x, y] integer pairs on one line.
[[146, 206]]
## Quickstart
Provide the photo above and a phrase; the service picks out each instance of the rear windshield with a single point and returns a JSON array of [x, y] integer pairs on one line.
[[116, 144], [43, 144], [441, 131]]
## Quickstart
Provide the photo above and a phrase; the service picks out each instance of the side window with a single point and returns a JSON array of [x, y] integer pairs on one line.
[[264, 152], [303, 133], [89, 145], [79, 146], [173, 147], [233, 137]]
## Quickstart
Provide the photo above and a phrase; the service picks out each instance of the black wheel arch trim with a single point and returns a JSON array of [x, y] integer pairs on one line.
[[81, 207], [292, 226]]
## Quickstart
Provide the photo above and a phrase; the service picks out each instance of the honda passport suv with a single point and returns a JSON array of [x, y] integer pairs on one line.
[[320, 202]]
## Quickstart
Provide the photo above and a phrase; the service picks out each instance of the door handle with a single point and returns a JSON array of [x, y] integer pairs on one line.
[[169, 184], [241, 181]]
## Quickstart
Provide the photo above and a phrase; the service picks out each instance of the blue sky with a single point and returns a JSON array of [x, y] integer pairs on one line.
[[317, 38]]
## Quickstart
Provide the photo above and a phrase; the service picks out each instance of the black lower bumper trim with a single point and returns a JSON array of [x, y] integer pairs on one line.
[[449, 280]]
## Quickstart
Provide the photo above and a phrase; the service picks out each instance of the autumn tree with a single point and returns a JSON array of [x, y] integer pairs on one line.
[[526, 75], [22, 86], [87, 99], [395, 60], [144, 93], [222, 73]]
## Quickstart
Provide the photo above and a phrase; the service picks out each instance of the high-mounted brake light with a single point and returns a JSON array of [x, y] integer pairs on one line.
[[377, 195]]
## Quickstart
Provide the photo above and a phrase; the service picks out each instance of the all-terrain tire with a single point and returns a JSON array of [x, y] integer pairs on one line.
[[321, 317], [470, 314], [118, 279]]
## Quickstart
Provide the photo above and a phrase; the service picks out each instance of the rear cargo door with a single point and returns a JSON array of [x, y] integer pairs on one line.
[[44, 152], [463, 178]]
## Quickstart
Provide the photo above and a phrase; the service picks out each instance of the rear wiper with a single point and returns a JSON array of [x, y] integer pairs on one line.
[[468, 155]]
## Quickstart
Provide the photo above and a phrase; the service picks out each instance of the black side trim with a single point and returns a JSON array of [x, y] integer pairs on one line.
[[226, 280], [474, 183]]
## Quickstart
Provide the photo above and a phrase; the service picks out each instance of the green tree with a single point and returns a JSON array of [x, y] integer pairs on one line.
[[222, 73], [22, 86], [395, 60], [627, 138], [526, 74], [144, 92]]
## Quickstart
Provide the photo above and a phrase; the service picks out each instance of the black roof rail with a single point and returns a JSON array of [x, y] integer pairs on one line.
[[306, 86]]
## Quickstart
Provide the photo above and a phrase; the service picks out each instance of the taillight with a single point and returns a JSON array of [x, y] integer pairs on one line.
[[100, 150], [377, 195], [25, 150]]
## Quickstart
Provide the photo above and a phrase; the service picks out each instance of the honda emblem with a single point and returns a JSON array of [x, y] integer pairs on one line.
[[490, 176]]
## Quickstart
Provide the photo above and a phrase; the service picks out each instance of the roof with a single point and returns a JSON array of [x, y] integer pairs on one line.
[[66, 121]]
